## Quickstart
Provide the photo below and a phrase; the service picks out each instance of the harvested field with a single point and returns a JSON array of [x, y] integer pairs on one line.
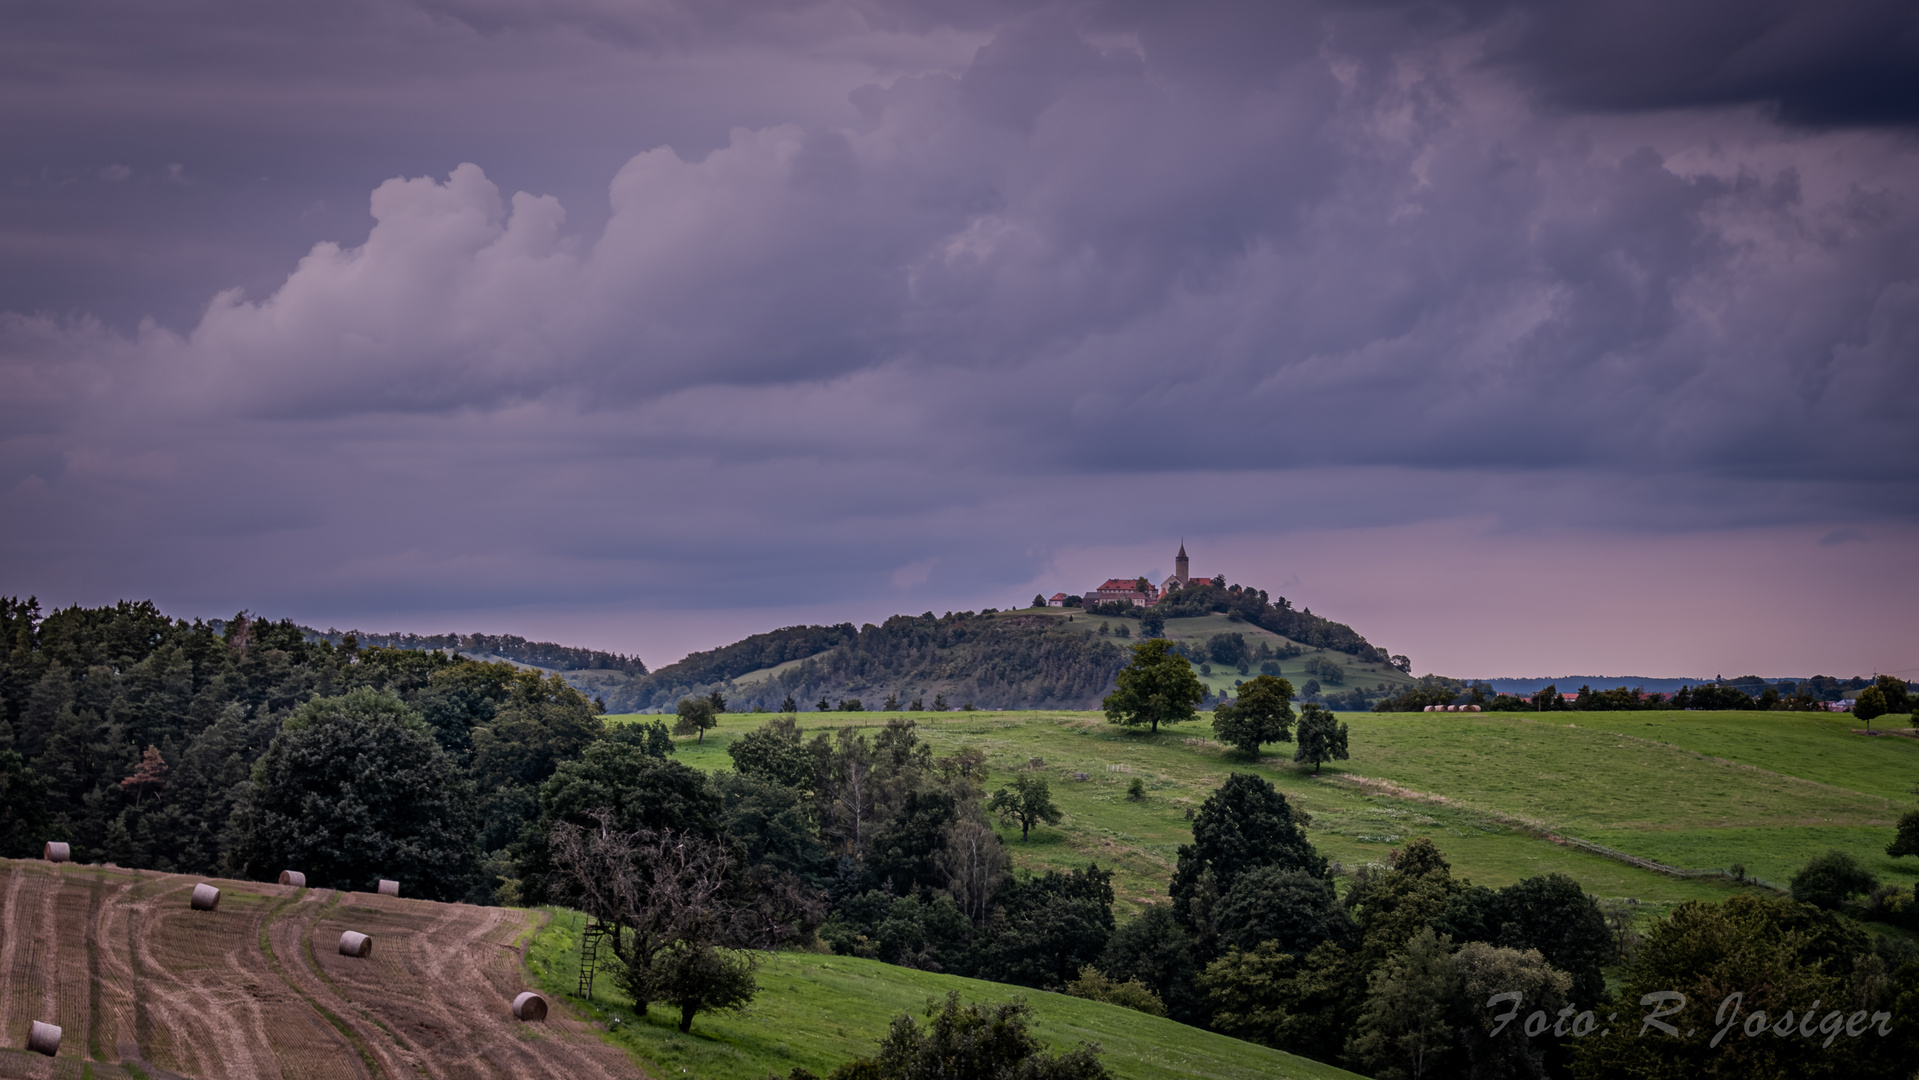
[[145, 986]]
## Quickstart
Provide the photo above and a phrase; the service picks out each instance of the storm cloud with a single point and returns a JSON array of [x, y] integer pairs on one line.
[[820, 307]]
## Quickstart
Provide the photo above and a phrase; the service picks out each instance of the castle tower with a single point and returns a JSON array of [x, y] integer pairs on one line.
[[1180, 565]]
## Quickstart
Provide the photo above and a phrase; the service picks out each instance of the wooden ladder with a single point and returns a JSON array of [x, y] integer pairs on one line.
[[590, 955]]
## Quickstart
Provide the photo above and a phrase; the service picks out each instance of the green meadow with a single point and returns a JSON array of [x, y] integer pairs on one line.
[[818, 1011], [1697, 790]]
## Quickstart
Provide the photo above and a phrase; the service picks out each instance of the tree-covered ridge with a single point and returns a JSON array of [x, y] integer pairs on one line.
[[1021, 662], [543, 654], [701, 671]]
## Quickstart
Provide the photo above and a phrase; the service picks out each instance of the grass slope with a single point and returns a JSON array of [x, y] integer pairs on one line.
[[819, 1011], [1702, 790]]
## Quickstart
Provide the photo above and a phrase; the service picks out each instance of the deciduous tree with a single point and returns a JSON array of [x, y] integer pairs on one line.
[[1157, 686], [1262, 713], [1322, 737], [1245, 825], [353, 789], [1870, 705], [1404, 1031], [1029, 801], [696, 976], [696, 715], [1830, 879]]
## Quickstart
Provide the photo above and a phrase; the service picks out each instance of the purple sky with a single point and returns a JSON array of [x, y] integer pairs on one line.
[[1525, 338]]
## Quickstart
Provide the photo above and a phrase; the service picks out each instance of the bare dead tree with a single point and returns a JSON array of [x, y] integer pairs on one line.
[[650, 887]]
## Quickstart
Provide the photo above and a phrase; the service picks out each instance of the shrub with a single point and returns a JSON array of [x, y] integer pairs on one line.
[[1094, 985], [1830, 879]]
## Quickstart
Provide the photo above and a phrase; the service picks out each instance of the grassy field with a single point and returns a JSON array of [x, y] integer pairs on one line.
[[818, 1011], [1698, 790]]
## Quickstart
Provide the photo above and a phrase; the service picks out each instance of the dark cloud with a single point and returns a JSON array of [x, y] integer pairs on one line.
[[794, 304], [1837, 62]]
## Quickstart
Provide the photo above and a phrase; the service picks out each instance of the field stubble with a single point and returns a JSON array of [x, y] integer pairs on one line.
[[142, 985]]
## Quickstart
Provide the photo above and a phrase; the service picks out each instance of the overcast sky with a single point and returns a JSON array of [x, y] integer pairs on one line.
[[1527, 338]]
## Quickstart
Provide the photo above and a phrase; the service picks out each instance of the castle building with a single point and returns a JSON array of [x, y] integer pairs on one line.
[[1141, 592]]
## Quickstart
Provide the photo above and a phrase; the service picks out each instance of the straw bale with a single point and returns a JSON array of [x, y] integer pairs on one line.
[[206, 897], [56, 851], [294, 878], [1472, 708], [44, 1038], [353, 943], [389, 887], [529, 1006]]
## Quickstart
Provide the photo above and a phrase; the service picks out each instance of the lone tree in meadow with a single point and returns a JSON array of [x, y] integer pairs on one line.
[[1263, 714], [696, 715], [1028, 802], [1322, 737], [694, 976], [1869, 706], [1156, 687]]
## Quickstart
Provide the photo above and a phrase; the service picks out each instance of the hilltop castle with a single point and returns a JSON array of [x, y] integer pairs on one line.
[[1140, 590]]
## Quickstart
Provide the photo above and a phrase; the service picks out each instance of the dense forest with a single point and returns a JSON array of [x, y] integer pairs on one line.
[[141, 739], [1017, 662]]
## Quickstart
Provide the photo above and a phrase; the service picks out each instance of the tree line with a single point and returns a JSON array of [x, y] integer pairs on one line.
[[1884, 695], [542, 654], [210, 748]]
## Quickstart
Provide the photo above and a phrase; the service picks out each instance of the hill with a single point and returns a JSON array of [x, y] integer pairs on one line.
[[1029, 658], [145, 987], [1017, 659], [816, 1011]]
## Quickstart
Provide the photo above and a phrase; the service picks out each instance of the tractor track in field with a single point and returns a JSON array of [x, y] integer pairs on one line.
[[141, 984]]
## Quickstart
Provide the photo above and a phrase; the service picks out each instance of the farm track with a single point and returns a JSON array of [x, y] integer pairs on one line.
[[257, 989]]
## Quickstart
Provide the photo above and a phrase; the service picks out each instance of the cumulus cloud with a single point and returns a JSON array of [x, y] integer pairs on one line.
[[1132, 268]]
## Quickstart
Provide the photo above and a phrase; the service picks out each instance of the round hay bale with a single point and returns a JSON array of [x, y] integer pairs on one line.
[[529, 1006], [56, 851], [206, 897], [294, 878], [1472, 708], [389, 887], [44, 1038], [354, 943]]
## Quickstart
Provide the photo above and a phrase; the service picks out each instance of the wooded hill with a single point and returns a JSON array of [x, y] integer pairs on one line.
[[996, 660], [1024, 659]]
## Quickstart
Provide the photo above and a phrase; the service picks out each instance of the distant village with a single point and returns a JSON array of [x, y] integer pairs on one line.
[[1139, 591]]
